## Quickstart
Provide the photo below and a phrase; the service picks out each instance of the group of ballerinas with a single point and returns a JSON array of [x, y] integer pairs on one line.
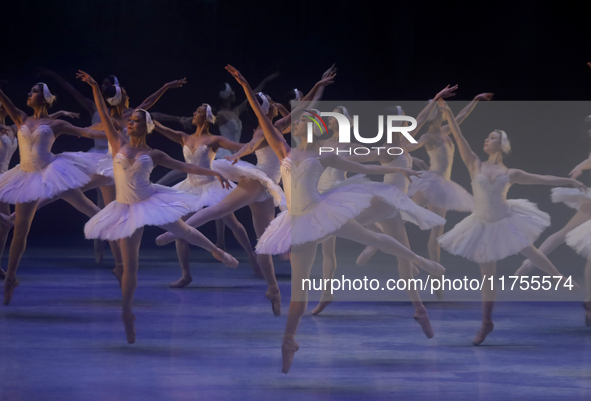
[[318, 203]]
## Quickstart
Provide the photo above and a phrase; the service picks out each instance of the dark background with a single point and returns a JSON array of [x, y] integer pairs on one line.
[[395, 51]]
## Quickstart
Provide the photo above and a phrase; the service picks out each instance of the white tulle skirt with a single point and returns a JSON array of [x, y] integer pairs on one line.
[[66, 171], [482, 242], [580, 239], [120, 220], [336, 206], [441, 192], [244, 170], [572, 197], [102, 163]]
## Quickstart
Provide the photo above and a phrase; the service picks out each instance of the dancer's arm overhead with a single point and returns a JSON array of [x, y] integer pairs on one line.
[[272, 135], [85, 102], [116, 139]]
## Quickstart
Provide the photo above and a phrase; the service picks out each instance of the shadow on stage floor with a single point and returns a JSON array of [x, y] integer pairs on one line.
[[62, 339]]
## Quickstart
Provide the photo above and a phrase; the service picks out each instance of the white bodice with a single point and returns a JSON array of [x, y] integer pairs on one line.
[[330, 177], [398, 180], [132, 178], [35, 147], [441, 159], [303, 181], [7, 148], [202, 157], [269, 163], [490, 197]]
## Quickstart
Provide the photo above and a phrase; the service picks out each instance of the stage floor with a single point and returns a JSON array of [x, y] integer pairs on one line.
[[62, 339]]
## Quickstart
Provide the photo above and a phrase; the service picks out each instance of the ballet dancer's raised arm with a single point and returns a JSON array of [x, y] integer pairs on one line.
[[153, 98], [63, 127], [470, 159], [175, 136], [274, 137], [578, 170], [241, 108], [465, 112], [116, 139], [525, 178], [340, 163], [85, 102], [424, 114], [17, 116], [64, 113]]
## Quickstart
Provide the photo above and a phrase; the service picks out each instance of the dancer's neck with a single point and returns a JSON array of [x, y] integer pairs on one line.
[[40, 113]]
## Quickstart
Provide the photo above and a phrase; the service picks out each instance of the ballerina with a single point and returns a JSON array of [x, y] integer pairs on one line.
[[312, 217], [139, 202], [199, 149], [8, 145], [41, 174], [257, 187], [434, 189], [497, 227]]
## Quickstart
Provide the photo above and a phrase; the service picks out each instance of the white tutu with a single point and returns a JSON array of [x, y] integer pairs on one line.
[[139, 202], [441, 192], [66, 171], [120, 220], [580, 239], [322, 217], [244, 170], [571, 197], [482, 242]]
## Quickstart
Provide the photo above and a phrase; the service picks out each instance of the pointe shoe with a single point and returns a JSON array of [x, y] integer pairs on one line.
[[128, 322], [483, 332], [587, 306], [323, 303], [181, 282], [10, 284], [275, 298], [118, 273], [423, 320], [366, 255], [288, 349], [430, 267], [165, 239], [226, 259]]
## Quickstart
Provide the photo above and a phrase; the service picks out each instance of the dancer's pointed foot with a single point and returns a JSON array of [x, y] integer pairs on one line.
[[587, 306], [6, 221], [10, 283], [184, 281], [128, 321], [165, 239], [2, 274], [118, 273], [225, 258], [484, 331], [274, 296], [422, 318], [430, 267], [366, 255], [288, 349], [325, 300]]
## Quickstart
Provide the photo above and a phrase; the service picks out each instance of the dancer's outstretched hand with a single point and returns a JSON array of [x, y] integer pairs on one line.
[[331, 70], [225, 183], [236, 74], [579, 185], [85, 77], [484, 96], [234, 159], [70, 114], [177, 84], [328, 77], [408, 173], [420, 164], [446, 92], [575, 172]]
